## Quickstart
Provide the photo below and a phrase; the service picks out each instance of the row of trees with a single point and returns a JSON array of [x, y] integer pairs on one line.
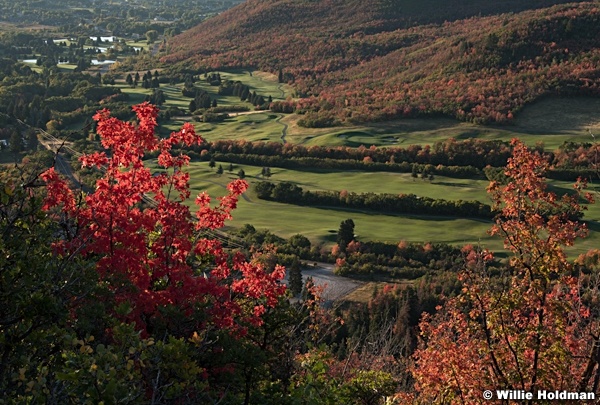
[[474, 152], [397, 204], [244, 92], [472, 158], [468, 172]]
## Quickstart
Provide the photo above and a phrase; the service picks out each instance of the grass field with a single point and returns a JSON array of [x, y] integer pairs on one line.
[[321, 224], [255, 126], [551, 121]]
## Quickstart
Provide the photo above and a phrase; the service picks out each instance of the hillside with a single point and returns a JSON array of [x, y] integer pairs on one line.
[[354, 61]]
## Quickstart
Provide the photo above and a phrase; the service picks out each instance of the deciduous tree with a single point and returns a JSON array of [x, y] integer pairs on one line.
[[528, 328], [150, 256]]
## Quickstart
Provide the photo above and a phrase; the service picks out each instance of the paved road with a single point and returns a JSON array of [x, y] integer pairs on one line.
[[336, 287]]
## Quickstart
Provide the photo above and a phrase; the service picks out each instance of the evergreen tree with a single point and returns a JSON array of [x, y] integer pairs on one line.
[[32, 140], [220, 170], [212, 163], [16, 142], [245, 93], [345, 234], [295, 278], [241, 174], [230, 167]]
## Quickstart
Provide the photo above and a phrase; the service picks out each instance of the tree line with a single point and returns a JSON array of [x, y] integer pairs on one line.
[[290, 193]]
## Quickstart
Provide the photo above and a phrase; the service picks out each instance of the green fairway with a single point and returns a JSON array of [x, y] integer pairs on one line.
[[264, 83], [551, 121], [251, 125], [321, 224], [136, 95], [255, 127], [381, 182]]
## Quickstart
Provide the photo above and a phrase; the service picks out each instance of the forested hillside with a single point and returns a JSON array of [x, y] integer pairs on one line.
[[353, 61]]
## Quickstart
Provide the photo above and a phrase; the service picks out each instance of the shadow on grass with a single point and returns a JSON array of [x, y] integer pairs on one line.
[[447, 183], [593, 226], [432, 218]]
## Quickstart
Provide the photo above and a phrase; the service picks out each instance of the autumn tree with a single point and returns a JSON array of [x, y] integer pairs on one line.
[[527, 328], [159, 271]]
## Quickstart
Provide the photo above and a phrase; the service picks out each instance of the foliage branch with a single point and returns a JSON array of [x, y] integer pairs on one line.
[[150, 256], [529, 329]]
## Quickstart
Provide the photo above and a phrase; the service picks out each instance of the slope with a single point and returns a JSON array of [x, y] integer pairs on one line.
[[354, 61]]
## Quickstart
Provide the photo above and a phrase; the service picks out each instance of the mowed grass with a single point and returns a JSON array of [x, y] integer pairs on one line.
[[381, 182], [263, 83], [321, 224], [551, 121], [251, 127]]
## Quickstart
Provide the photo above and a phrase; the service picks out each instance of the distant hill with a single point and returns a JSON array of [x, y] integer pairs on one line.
[[356, 61]]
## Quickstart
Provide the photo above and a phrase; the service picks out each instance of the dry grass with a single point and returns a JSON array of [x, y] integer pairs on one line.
[[560, 116], [364, 293]]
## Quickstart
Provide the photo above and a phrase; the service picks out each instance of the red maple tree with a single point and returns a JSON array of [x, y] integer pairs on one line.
[[147, 245]]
